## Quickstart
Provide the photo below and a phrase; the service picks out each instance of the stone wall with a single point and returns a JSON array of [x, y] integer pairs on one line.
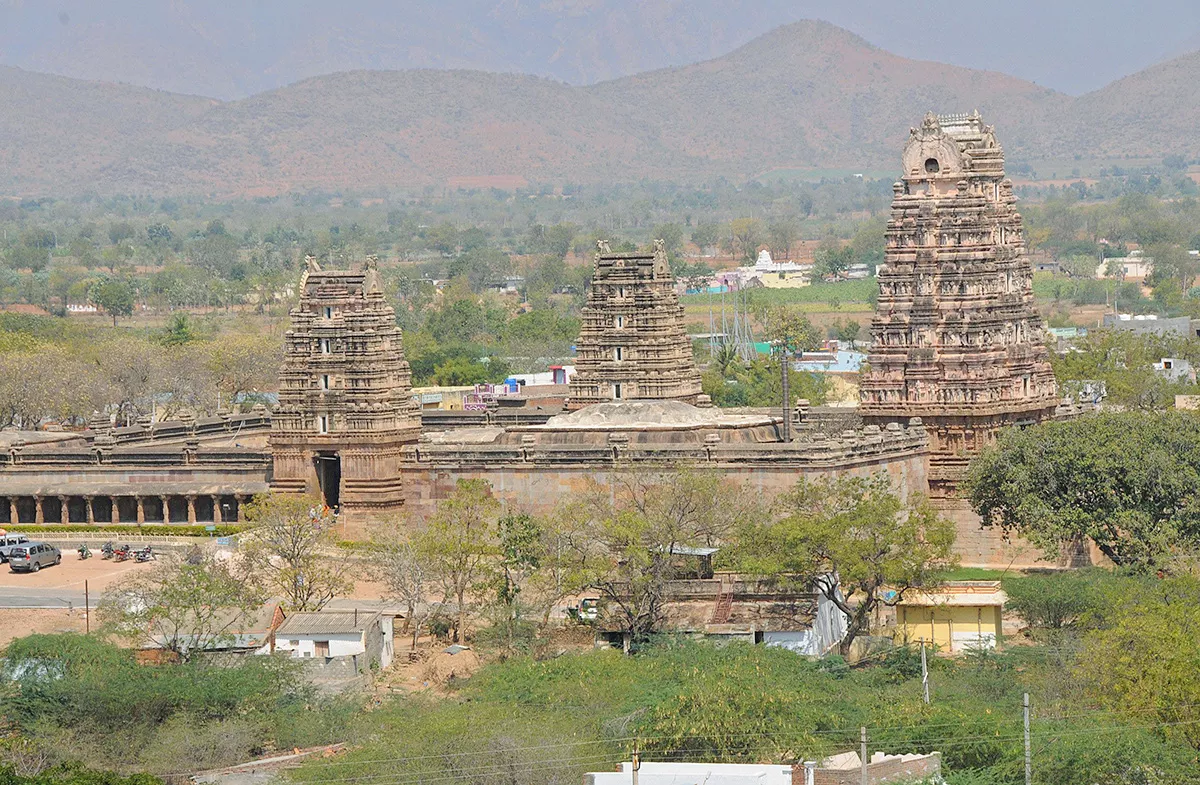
[[914, 770], [538, 478]]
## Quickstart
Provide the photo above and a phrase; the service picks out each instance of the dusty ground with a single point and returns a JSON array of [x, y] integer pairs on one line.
[[71, 574], [19, 622], [99, 574]]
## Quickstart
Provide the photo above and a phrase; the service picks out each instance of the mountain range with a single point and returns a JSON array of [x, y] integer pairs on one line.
[[805, 96]]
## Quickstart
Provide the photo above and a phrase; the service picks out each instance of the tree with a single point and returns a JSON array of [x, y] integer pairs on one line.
[[638, 527], [706, 235], [874, 547], [1126, 480], [831, 258], [790, 329], [399, 567], [783, 234], [458, 544], [115, 296], [747, 235], [1172, 262], [1141, 662], [1123, 363], [178, 331], [519, 550], [184, 607], [1056, 602], [848, 332], [292, 552], [121, 231], [242, 363]]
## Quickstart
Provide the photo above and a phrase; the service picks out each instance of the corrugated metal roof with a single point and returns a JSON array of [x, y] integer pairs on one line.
[[327, 622]]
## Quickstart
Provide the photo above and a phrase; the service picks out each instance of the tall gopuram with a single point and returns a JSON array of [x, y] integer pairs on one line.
[[345, 408], [632, 345], [956, 339]]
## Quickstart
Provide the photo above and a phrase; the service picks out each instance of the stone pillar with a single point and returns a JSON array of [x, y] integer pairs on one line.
[[239, 500], [65, 515], [217, 510], [141, 510], [13, 514], [166, 509], [91, 510], [39, 516], [191, 508]]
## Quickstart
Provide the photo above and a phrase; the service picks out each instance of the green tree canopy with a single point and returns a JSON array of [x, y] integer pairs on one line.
[[115, 296], [1126, 480], [875, 546]]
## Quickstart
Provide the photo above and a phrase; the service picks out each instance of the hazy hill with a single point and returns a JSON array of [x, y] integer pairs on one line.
[[1154, 111], [66, 135], [813, 95], [807, 95], [232, 50]]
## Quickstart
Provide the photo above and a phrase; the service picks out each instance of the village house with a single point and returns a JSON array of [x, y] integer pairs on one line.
[[956, 617]]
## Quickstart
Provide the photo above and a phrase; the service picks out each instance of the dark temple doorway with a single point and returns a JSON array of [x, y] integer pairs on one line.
[[329, 477]]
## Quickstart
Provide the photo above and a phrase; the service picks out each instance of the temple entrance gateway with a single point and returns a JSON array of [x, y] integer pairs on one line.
[[329, 477]]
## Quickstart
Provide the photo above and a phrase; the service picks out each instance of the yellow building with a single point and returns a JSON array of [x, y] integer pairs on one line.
[[956, 617]]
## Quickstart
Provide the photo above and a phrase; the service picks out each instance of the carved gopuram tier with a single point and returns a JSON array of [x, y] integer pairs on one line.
[[956, 339], [345, 407], [632, 345]]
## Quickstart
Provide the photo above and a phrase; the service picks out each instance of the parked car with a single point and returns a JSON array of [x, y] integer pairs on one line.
[[8, 542], [33, 556]]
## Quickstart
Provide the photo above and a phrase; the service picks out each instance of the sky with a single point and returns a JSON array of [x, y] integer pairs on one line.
[[230, 49]]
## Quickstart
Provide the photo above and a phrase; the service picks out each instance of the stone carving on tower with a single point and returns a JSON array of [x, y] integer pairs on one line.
[[632, 344], [345, 407], [956, 339]]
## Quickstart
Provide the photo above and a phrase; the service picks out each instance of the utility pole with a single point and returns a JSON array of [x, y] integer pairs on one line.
[[787, 415], [87, 610], [636, 763], [862, 732], [1028, 755], [924, 674]]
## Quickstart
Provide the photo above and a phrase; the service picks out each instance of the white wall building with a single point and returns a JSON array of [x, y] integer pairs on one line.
[[694, 774], [337, 634]]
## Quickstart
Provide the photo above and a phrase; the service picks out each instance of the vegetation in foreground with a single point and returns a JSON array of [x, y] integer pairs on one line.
[[1098, 717], [78, 700]]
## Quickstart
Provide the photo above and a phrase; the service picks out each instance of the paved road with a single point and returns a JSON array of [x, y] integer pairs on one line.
[[33, 597], [20, 597]]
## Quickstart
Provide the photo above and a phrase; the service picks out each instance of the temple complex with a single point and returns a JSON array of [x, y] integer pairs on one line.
[[632, 343], [956, 339], [345, 401], [957, 355]]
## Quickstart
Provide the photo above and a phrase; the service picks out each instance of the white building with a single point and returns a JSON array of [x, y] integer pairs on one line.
[[694, 774], [329, 634]]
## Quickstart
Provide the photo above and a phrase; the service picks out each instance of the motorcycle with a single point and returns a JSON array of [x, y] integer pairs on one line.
[[145, 554], [122, 552], [106, 550], [84, 551]]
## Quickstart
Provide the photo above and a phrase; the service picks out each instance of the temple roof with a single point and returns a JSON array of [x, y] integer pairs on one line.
[[648, 415]]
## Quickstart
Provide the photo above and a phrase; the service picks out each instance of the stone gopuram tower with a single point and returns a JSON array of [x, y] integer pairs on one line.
[[345, 408], [956, 339], [632, 345]]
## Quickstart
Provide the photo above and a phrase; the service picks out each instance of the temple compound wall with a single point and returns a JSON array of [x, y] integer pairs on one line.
[[536, 475]]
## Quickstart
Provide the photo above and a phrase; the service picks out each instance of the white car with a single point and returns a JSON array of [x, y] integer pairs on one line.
[[8, 542]]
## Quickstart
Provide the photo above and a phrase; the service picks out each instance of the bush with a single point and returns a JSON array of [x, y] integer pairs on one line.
[[1059, 601], [75, 775], [187, 743]]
